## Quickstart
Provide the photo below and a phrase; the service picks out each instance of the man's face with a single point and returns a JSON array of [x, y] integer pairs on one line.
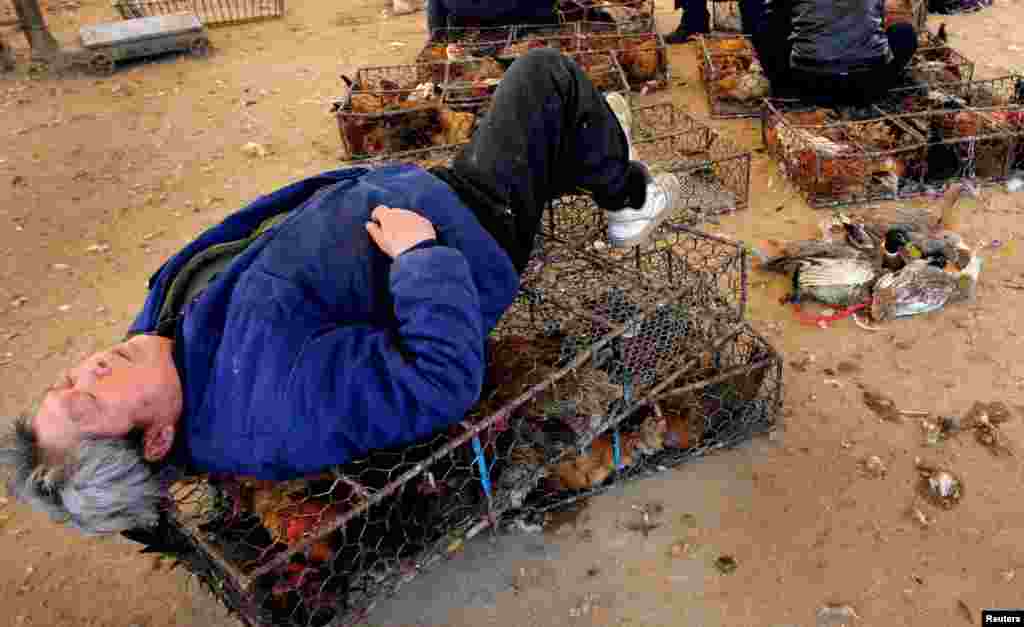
[[109, 394]]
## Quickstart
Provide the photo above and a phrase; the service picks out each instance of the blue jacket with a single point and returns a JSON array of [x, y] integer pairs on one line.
[[312, 347]]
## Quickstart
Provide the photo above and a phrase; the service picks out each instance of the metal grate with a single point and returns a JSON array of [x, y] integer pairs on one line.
[[210, 12]]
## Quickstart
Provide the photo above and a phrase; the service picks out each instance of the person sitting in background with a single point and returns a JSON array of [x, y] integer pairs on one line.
[[321, 322], [696, 20], [481, 13], [830, 52]]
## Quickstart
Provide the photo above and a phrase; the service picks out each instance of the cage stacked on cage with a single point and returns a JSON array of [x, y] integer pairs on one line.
[[210, 12], [398, 108], [732, 75], [599, 370], [889, 156]]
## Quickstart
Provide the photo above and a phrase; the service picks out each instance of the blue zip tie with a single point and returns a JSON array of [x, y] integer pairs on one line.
[[485, 477], [627, 389], [616, 450]]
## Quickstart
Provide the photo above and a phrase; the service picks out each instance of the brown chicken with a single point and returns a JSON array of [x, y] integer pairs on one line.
[[591, 468], [639, 58]]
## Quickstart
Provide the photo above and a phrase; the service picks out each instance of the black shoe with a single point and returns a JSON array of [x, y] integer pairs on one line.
[[680, 36]]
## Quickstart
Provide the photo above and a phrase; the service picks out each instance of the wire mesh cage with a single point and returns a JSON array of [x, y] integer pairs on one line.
[[913, 12], [589, 345], [210, 12], [940, 64], [975, 94], [562, 37], [393, 109], [732, 75], [478, 42], [725, 16], [642, 56], [735, 393], [891, 155], [623, 15]]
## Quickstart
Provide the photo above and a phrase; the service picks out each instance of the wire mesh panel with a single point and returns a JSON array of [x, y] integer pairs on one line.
[[210, 12], [734, 393], [392, 109], [589, 344], [733, 78], [889, 156]]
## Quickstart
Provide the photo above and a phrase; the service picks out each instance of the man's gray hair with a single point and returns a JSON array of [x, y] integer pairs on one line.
[[103, 486]]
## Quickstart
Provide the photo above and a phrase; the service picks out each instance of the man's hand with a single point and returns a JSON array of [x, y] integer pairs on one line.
[[397, 230]]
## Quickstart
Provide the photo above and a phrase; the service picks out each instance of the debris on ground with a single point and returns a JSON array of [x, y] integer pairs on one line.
[[941, 487], [726, 564], [875, 467], [836, 616], [883, 407], [254, 150], [646, 524], [984, 419]]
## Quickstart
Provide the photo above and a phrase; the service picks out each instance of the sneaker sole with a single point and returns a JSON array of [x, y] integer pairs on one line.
[[644, 233]]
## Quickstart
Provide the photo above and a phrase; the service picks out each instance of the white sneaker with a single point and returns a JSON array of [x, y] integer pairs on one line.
[[629, 227], [620, 107]]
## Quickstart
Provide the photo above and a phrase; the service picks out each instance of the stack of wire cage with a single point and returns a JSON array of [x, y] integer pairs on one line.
[[210, 12], [913, 141], [936, 62], [605, 368], [725, 16], [628, 15]]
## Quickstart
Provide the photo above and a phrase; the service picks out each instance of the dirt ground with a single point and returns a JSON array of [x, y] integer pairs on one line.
[[100, 180]]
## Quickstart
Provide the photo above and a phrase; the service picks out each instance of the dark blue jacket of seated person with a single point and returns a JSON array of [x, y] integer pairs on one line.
[[312, 347]]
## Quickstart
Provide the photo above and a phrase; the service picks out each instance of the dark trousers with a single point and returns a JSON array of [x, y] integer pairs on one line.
[[438, 16], [697, 17], [548, 132], [771, 40]]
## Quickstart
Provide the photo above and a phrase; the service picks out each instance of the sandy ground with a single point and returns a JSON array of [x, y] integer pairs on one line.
[[144, 160]]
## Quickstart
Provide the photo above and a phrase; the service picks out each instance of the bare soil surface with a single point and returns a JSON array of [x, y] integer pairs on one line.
[[102, 179]]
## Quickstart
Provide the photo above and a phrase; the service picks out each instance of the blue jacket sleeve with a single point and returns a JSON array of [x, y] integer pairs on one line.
[[365, 387]]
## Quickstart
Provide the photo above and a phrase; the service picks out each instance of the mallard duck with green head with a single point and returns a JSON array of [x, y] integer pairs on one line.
[[832, 271], [923, 285]]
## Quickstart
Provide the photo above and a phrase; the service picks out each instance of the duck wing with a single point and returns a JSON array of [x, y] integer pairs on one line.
[[916, 289], [839, 282], [801, 253]]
